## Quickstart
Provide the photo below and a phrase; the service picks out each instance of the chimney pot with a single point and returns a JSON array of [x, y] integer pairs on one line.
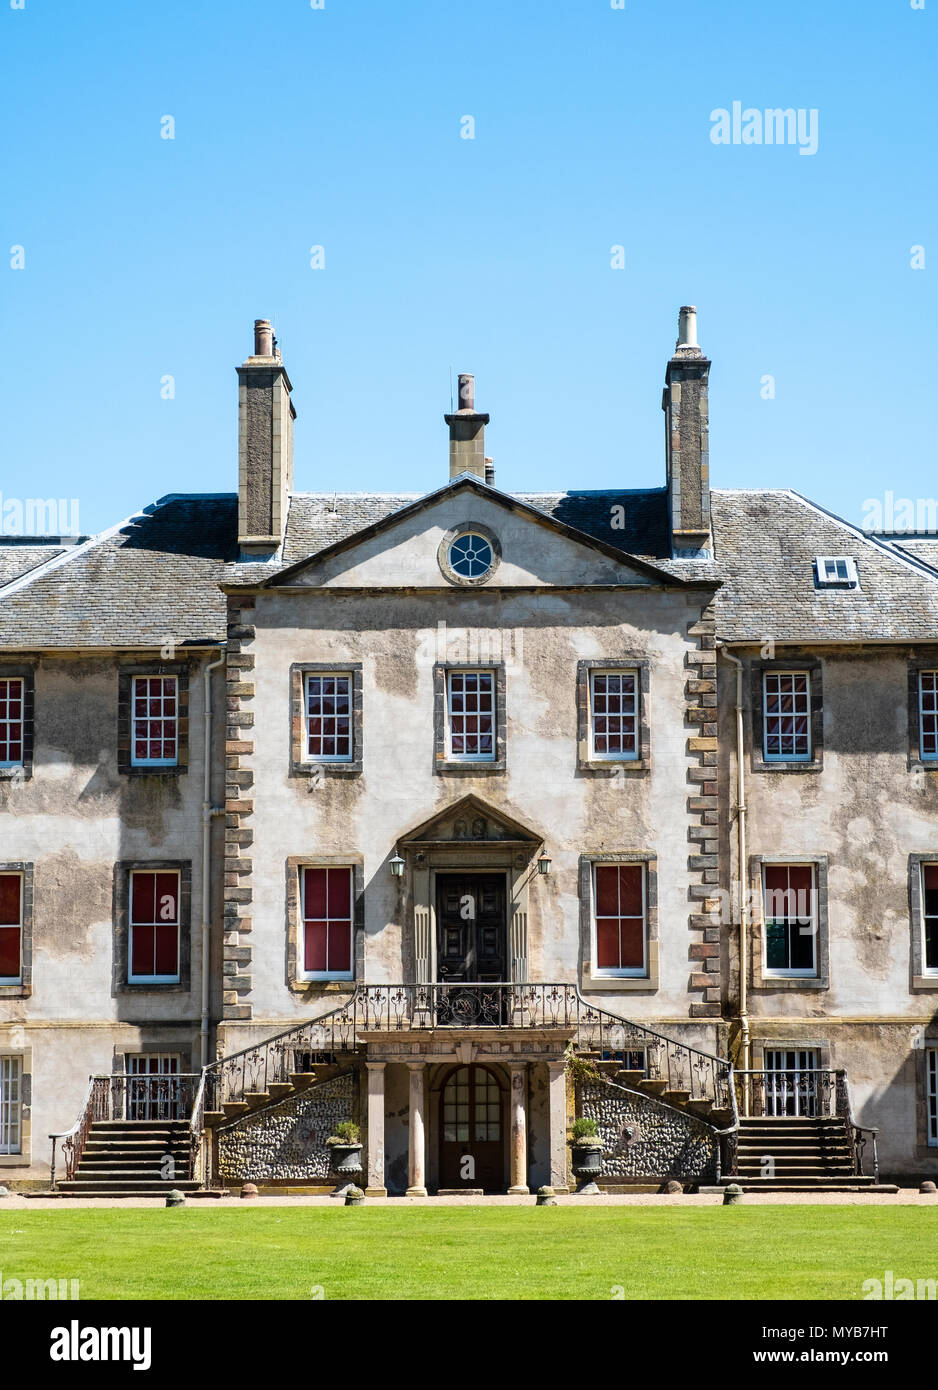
[[467, 391], [263, 338], [687, 326], [490, 472]]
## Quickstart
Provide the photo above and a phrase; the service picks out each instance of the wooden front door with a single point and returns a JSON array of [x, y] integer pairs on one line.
[[470, 927], [472, 1131], [471, 949]]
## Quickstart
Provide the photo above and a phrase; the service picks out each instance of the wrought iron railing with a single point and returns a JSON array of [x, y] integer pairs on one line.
[[407, 1007], [793, 1092], [167, 1096], [125, 1096], [805, 1093], [73, 1140]]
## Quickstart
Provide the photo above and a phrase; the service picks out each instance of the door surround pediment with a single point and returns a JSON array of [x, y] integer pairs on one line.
[[471, 825]]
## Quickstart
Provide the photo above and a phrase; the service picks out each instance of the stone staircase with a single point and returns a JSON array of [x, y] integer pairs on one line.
[[257, 1100], [129, 1158], [706, 1110], [798, 1154]]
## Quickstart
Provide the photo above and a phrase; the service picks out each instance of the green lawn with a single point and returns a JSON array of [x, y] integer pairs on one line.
[[256, 1252]]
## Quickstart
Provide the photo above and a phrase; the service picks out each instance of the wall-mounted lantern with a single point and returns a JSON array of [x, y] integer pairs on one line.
[[396, 865], [544, 864]]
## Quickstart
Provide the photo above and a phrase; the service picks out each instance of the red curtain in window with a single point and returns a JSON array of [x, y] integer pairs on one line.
[[620, 919], [10, 926], [327, 920], [154, 924]]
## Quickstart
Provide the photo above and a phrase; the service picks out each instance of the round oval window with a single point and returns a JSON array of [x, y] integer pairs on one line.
[[470, 556]]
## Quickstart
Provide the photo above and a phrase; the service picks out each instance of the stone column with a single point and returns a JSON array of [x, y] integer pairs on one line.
[[416, 1179], [557, 1112], [376, 1187], [519, 1127]]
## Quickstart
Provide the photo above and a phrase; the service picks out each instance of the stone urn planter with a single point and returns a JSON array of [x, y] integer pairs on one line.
[[345, 1152], [586, 1154]]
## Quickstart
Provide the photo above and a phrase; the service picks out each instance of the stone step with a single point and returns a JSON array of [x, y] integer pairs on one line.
[[301, 1079], [703, 1108], [652, 1088], [792, 1124], [835, 1185], [256, 1099], [211, 1118], [780, 1169], [143, 1187], [138, 1126], [279, 1089], [125, 1175], [234, 1108], [676, 1098], [861, 1179], [121, 1160]]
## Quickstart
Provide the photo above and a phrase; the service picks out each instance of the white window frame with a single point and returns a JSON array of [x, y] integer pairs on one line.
[[927, 757], [152, 762], [315, 759], [926, 968], [133, 979], [471, 757], [11, 1104], [792, 972], [17, 762], [15, 979], [618, 757], [313, 975], [626, 972], [931, 1097], [848, 579], [784, 757]]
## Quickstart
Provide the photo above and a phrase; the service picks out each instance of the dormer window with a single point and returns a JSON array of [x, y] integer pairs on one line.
[[836, 572]]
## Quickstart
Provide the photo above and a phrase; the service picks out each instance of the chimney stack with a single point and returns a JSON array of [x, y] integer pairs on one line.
[[467, 433], [687, 445], [265, 447]]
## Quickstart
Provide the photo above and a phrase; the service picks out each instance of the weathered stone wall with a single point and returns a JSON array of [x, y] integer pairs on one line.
[[394, 637], [74, 819], [644, 1139], [288, 1141], [866, 807]]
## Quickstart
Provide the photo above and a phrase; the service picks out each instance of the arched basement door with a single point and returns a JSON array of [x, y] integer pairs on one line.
[[472, 1130]]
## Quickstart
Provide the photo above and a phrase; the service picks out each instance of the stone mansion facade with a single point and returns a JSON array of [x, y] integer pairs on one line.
[[391, 807]]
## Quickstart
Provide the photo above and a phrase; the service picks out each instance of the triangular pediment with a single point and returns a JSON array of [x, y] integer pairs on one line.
[[470, 820], [403, 549]]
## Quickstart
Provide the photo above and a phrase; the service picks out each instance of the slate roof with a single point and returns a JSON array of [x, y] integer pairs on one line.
[[765, 544], [157, 575], [16, 560], [919, 548], [152, 579]]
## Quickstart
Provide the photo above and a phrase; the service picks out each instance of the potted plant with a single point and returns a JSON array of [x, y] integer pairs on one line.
[[586, 1155], [345, 1151]]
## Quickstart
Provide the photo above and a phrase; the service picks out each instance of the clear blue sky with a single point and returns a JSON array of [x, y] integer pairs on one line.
[[340, 127]]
